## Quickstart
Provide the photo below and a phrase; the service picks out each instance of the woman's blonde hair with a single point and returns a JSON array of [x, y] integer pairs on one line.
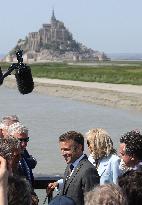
[[99, 143]]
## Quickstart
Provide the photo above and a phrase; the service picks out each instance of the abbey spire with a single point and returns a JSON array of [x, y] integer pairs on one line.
[[53, 19]]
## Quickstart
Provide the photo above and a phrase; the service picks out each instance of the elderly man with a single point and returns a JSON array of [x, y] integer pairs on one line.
[[130, 151], [27, 162], [80, 175]]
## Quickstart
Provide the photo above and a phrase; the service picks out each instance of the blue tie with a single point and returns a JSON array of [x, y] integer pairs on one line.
[[71, 167]]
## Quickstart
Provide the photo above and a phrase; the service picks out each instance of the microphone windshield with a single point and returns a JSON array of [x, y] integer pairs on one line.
[[24, 79]]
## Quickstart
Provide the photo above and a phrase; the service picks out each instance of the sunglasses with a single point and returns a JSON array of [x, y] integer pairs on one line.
[[23, 139]]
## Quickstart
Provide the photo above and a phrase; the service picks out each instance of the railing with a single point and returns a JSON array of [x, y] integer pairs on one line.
[[42, 181]]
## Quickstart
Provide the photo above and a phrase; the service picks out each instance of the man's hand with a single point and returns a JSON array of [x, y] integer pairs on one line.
[[51, 187]]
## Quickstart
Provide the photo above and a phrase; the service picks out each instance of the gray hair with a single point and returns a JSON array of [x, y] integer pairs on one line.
[[8, 120], [108, 194], [17, 128]]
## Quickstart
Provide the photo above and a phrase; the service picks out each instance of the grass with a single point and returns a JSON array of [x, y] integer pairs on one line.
[[113, 72]]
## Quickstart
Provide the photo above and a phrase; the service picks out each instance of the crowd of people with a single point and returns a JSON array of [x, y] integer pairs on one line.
[[16, 164], [105, 177]]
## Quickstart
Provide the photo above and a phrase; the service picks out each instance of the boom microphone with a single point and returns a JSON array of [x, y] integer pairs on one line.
[[24, 79], [23, 75]]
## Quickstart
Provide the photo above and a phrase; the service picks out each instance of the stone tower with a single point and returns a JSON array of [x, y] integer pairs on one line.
[[50, 36]]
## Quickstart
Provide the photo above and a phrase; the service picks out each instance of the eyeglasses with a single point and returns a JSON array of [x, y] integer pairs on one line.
[[23, 139]]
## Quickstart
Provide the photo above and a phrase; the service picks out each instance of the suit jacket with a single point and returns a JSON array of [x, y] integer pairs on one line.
[[83, 179], [108, 169]]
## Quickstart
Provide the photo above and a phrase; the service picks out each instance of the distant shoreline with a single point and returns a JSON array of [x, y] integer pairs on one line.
[[112, 95]]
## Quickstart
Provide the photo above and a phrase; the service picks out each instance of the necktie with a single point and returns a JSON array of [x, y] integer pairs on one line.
[[71, 167], [69, 171]]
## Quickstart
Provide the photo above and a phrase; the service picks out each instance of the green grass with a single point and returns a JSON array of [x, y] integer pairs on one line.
[[4, 66], [113, 72]]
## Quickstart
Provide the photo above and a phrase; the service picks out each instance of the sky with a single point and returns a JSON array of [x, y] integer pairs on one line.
[[112, 26]]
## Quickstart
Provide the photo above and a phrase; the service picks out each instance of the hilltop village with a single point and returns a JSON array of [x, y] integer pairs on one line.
[[53, 42]]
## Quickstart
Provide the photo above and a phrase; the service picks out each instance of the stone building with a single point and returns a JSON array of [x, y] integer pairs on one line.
[[53, 42], [50, 36]]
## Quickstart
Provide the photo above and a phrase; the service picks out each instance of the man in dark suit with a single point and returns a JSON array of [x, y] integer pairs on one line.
[[80, 175]]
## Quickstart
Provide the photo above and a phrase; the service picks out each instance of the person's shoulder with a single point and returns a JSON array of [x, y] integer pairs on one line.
[[26, 153], [90, 171], [87, 164], [114, 157]]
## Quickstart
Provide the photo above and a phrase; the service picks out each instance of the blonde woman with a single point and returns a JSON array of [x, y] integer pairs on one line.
[[103, 155]]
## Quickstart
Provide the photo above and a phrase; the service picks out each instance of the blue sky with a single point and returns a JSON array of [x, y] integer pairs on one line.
[[112, 26]]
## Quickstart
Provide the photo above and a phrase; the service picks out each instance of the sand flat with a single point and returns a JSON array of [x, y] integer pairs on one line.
[[113, 95]]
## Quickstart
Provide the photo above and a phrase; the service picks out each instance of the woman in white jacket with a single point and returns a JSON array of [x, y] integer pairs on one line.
[[103, 155]]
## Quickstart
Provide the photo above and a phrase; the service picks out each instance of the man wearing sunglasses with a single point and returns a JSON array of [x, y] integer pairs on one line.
[[26, 162]]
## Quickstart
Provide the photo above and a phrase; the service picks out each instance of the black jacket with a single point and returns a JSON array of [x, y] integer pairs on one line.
[[26, 164]]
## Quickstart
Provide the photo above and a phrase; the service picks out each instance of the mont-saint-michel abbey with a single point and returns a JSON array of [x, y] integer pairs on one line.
[[53, 42]]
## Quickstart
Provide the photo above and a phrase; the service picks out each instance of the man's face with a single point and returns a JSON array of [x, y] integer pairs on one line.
[[70, 150], [23, 138], [126, 158]]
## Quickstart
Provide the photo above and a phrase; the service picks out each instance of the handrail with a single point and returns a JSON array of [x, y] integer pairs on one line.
[[42, 181]]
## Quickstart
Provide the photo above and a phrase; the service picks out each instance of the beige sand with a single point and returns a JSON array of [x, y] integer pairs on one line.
[[121, 96]]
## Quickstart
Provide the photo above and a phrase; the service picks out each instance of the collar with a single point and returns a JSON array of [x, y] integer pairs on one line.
[[78, 160], [91, 159]]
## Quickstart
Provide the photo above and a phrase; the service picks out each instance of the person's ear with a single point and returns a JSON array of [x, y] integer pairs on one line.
[[133, 158], [80, 147]]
